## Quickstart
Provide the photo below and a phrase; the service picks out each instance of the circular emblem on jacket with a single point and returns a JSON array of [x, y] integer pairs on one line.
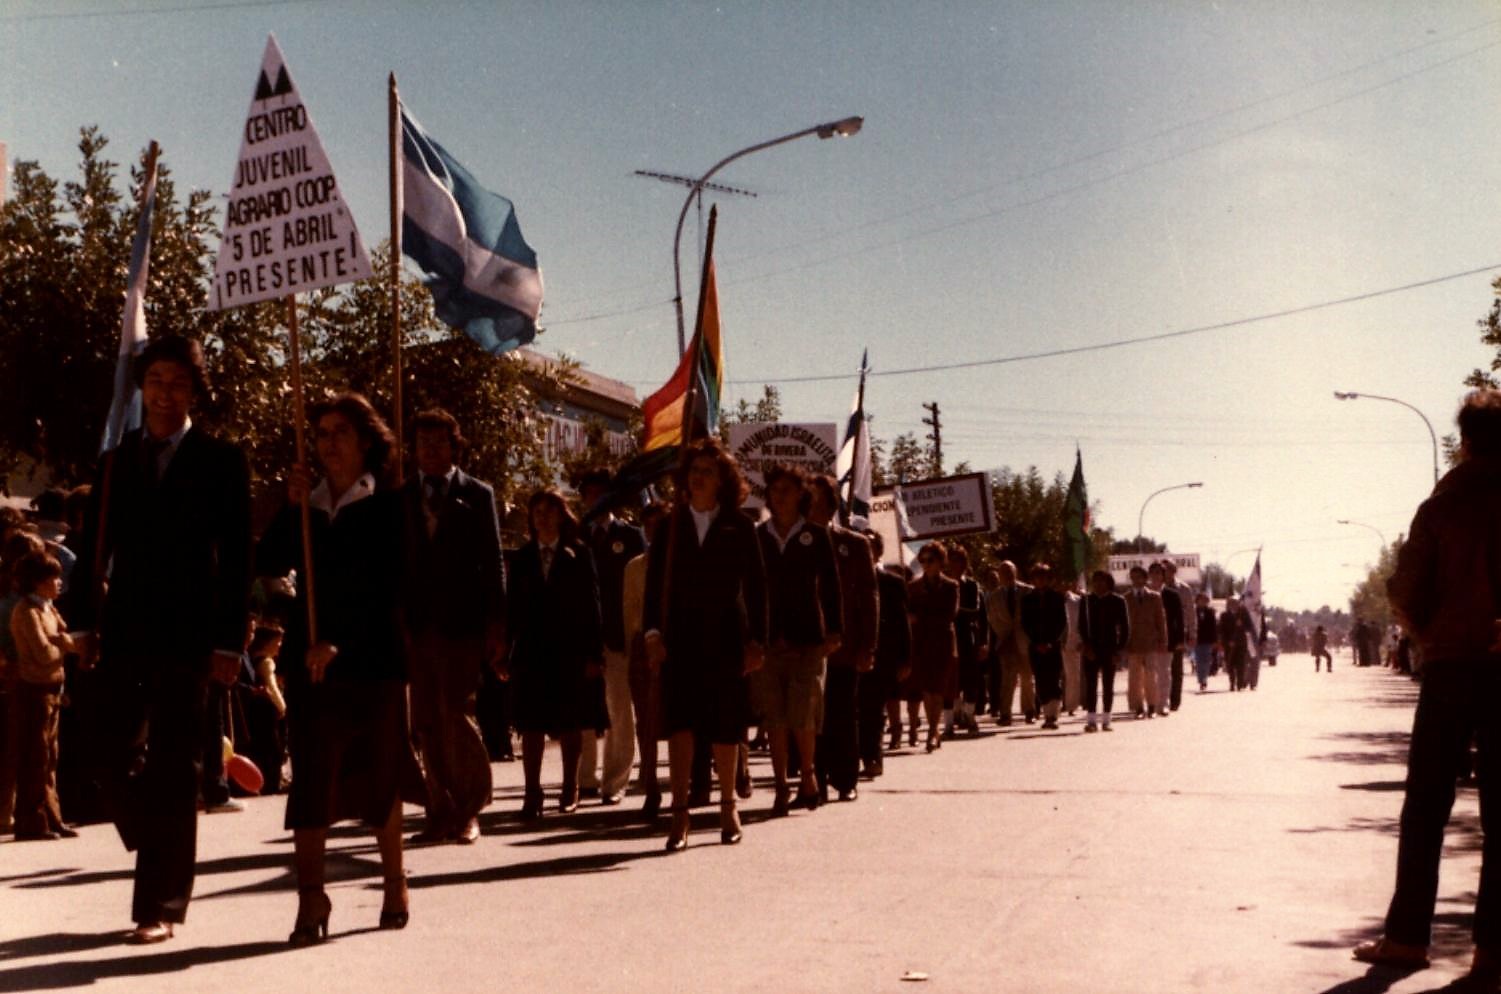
[[806, 538], [844, 550], [617, 547]]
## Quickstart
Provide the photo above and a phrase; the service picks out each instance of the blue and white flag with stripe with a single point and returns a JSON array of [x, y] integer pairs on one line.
[[483, 276], [125, 408], [852, 468]]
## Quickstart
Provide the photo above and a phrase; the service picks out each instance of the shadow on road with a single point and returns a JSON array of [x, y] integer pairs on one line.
[[52, 975]]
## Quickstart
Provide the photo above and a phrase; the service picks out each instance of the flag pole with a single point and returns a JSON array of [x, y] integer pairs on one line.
[[299, 416], [394, 122], [690, 402]]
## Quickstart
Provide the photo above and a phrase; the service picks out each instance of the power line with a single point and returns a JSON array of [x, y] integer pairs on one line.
[[175, 9], [1123, 342]]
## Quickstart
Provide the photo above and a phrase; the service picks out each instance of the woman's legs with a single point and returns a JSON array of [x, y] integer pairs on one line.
[[776, 738], [680, 772], [932, 705], [388, 840], [572, 746], [307, 859], [532, 744], [894, 722], [807, 740], [726, 763], [913, 705]]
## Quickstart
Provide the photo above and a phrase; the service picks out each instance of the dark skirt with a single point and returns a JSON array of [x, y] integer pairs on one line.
[[350, 749], [557, 698], [708, 699]]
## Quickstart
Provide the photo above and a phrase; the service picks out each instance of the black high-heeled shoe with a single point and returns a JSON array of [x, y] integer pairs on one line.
[[677, 836], [396, 918], [531, 806], [653, 805], [729, 824], [314, 930]]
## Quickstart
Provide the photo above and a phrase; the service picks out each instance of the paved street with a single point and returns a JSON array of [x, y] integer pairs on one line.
[[1243, 844]]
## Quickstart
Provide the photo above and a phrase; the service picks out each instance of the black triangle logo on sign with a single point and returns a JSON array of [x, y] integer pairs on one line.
[[283, 83], [263, 88]]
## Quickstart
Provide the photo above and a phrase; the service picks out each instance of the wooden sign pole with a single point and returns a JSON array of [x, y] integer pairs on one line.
[[299, 420], [394, 121]]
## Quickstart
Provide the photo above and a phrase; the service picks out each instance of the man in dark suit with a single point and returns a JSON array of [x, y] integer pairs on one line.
[[614, 543], [455, 613], [169, 522], [837, 751], [893, 649]]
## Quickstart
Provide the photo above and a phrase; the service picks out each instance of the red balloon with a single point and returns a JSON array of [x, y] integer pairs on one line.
[[245, 773]]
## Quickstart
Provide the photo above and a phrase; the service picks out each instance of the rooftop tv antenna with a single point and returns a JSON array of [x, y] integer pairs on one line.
[[691, 182]]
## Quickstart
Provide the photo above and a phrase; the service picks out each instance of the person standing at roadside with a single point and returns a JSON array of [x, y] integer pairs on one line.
[[1446, 590], [1319, 645], [169, 517]]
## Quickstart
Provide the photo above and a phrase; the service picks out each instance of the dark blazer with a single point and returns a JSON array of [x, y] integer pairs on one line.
[[1208, 626], [613, 544], [357, 566], [178, 553], [970, 628], [554, 621], [894, 635], [717, 601], [1172, 603], [455, 582], [1104, 627], [802, 584], [1044, 618], [857, 595], [1235, 631]]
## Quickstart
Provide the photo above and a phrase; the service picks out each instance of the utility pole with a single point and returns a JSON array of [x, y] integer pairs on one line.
[[935, 436]]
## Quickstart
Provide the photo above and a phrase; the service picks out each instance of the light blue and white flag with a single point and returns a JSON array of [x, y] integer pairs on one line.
[[125, 408], [483, 276], [852, 468]]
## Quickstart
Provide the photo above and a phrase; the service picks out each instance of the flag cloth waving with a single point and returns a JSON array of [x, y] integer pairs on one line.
[[1250, 599], [483, 275], [1076, 520], [125, 408], [852, 469]]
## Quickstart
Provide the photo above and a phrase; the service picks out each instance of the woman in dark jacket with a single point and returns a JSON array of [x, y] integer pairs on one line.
[[1045, 620], [1104, 628], [346, 684], [893, 663], [932, 605], [557, 646], [705, 623]]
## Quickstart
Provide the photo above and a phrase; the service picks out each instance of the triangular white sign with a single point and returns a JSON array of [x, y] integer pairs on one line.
[[286, 226]]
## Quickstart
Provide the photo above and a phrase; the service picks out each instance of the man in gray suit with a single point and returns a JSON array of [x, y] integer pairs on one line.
[[1003, 609], [1148, 642]]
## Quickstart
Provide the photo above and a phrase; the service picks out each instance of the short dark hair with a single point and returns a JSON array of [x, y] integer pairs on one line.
[[437, 419], [1138, 569], [827, 487], [732, 488], [797, 475], [1156, 567], [595, 477], [960, 553], [1106, 575], [370, 426], [1480, 423], [186, 352], [934, 549], [34, 569], [49, 504]]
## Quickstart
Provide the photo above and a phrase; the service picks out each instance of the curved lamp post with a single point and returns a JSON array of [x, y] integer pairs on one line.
[[1362, 524], [834, 129], [1352, 395], [1141, 517]]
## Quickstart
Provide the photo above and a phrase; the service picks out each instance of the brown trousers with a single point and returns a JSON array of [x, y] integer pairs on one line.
[[445, 678], [36, 709]]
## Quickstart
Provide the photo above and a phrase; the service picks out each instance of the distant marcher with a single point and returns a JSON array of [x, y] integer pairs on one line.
[[802, 588], [893, 649], [1045, 620], [1446, 590], [1319, 646], [1003, 607], [1105, 631], [14, 548], [1172, 607], [556, 647], [971, 631], [1235, 641], [1206, 634], [1190, 638], [932, 606], [1148, 643], [1073, 675]]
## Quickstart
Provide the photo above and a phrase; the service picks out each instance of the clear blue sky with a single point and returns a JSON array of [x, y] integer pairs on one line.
[[1030, 177]]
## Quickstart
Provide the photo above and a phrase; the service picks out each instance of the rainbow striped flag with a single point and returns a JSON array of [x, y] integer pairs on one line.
[[662, 412]]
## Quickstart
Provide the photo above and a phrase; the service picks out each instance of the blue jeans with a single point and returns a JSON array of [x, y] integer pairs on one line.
[[1203, 659]]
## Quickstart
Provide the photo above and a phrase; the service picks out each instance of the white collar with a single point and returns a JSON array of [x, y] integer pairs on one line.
[[702, 520], [322, 497], [447, 477], [782, 540]]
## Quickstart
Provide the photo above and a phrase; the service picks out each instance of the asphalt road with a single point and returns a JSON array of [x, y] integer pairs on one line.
[[1243, 844]]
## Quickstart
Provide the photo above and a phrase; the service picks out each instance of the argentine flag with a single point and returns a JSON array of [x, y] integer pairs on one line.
[[125, 407], [483, 276]]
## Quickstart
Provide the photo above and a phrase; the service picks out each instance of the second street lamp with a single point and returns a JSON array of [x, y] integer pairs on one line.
[[1432, 435], [834, 129]]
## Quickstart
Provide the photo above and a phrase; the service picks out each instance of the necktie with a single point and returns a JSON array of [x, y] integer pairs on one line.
[[433, 503], [153, 449], [547, 552]]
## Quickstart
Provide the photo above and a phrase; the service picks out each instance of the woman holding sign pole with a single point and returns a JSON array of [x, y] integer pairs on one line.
[[347, 686]]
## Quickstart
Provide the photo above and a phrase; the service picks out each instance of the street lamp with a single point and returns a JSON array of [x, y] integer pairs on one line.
[[1362, 524], [1352, 395], [845, 128], [1143, 514]]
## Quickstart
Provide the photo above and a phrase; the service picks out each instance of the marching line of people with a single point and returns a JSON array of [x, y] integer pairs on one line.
[[365, 651]]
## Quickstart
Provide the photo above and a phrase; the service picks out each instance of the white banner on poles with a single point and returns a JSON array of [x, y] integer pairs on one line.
[[759, 445]]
